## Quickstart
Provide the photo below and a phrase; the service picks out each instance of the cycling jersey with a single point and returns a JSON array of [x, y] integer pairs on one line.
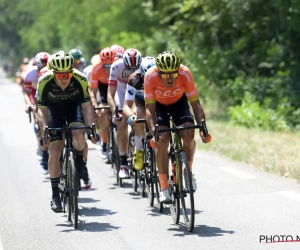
[[118, 78], [87, 72], [135, 86], [63, 105], [49, 93], [31, 77], [98, 75], [43, 71], [118, 73], [156, 90]]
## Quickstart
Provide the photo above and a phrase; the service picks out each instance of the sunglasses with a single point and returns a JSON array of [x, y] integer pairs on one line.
[[169, 75], [63, 76], [107, 66], [130, 68]]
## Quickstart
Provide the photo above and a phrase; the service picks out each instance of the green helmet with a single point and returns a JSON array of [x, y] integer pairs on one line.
[[62, 62], [167, 62], [76, 53]]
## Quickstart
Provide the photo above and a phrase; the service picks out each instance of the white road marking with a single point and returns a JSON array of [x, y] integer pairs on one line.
[[1, 246], [237, 173], [293, 195]]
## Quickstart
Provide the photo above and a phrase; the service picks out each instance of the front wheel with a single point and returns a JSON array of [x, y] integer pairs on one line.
[[74, 191], [186, 192]]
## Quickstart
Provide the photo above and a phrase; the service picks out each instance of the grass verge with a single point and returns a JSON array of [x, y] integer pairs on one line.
[[269, 151]]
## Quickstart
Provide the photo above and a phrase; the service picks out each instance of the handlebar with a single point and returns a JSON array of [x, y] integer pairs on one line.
[[70, 128], [201, 126]]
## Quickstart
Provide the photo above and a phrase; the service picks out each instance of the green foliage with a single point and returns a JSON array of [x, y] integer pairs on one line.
[[243, 54]]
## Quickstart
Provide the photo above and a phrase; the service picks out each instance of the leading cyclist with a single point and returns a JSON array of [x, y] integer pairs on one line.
[[169, 88], [63, 93]]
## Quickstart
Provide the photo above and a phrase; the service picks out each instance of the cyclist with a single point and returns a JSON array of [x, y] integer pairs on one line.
[[79, 61], [169, 88], [119, 49], [99, 80], [117, 83], [30, 84], [21, 72], [135, 94], [63, 93], [87, 70]]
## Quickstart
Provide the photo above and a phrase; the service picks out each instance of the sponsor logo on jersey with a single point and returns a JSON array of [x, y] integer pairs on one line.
[[80, 76], [181, 72], [168, 93]]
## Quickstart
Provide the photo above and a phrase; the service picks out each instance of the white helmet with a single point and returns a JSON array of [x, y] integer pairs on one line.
[[95, 59], [147, 63], [41, 59], [132, 58]]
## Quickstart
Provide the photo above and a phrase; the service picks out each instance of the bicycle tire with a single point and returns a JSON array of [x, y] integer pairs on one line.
[[68, 188], [175, 206], [186, 192], [115, 156], [148, 156], [74, 192], [133, 172]]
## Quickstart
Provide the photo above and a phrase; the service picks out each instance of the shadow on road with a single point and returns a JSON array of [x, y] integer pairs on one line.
[[87, 200], [94, 211], [88, 227], [200, 230]]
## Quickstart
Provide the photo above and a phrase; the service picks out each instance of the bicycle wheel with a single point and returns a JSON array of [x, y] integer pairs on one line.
[[115, 156], [175, 205], [149, 181], [68, 187], [186, 192], [130, 150], [74, 191]]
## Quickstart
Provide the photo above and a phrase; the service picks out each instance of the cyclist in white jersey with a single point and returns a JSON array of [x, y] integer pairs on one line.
[[30, 84], [117, 83]]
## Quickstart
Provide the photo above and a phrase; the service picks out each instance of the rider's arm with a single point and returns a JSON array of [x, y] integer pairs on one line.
[[41, 96], [112, 88], [149, 96], [192, 94], [129, 98], [94, 84], [88, 113], [198, 111], [43, 117], [150, 116]]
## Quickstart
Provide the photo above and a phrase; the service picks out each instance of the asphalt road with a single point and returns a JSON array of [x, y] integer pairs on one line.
[[236, 205]]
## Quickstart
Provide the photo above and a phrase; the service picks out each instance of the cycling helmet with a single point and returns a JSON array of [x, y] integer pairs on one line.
[[118, 48], [147, 63], [95, 59], [132, 58], [167, 62], [25, 60], [41, 59], [62, 62], [76, 53], [107, 55]]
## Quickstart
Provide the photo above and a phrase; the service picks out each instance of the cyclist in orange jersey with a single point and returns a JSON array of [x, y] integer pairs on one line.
[[99, 82], [169, 88]]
